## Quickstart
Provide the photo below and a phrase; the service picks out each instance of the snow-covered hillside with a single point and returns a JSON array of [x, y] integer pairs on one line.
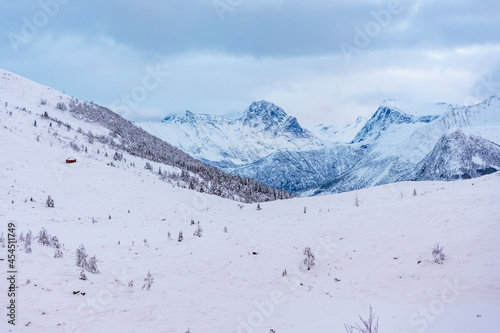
[[377, 253], [87, 129], [372, 247]]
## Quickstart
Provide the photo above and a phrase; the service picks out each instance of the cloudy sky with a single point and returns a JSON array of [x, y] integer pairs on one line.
[[323, 61]]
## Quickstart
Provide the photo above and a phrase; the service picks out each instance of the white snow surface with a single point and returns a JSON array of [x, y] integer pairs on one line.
[[417, 108], [377, 253]]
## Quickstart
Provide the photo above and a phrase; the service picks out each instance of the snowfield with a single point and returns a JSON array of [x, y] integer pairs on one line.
[[376, 253]]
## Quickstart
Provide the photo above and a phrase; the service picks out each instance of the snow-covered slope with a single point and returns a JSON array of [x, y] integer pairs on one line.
[[232, 278], [92, 130], [377, 253]]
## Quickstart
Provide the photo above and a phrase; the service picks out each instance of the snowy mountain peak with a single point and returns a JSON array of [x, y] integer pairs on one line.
[[392, 112], [263, 112], [273, 119]]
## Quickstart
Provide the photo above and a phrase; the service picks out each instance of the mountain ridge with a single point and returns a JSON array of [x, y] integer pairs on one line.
[[385, 148]]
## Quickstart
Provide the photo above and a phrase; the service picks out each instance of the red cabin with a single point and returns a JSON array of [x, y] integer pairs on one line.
[[71, 160]]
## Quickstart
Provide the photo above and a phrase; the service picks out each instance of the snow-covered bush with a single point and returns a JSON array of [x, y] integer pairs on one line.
[[58, 253], [43, 237], [83, 276], [92, 265], [367, 325], [27, 242], [308, 261], [148, 166], [258, 207], [54, 242], [43, 102], [181, 238], [74, 146], [81, 257], [2, 240], [49, 202], [198, 232], [61, 106], [148, 281], [437, 253]]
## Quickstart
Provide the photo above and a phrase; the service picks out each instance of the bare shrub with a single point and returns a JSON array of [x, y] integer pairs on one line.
[[367, 326]]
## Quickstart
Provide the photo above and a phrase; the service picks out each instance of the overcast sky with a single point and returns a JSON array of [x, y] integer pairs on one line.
[[322, 61]]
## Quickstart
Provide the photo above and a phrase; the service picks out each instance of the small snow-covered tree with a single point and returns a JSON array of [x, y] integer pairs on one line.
[[356, 201], [49, 202], [258, 206], [225, 230], [198, 232], [148, 281], [44, 237], [61, 106], [414, 192], [58, 253], [437, 253], [92, 265], [308, 261], [54, 242], [148, 166], [367, 326], [2, 240], [83, 276], [81, 257], [27, 242], [181, 238]]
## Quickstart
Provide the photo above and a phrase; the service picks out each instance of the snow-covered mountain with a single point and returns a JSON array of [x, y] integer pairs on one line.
[[263, 129], [402, 140], [238, 268], [267, 145]]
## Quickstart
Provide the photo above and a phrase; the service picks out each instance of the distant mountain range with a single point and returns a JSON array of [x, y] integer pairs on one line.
[[401, 141]]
